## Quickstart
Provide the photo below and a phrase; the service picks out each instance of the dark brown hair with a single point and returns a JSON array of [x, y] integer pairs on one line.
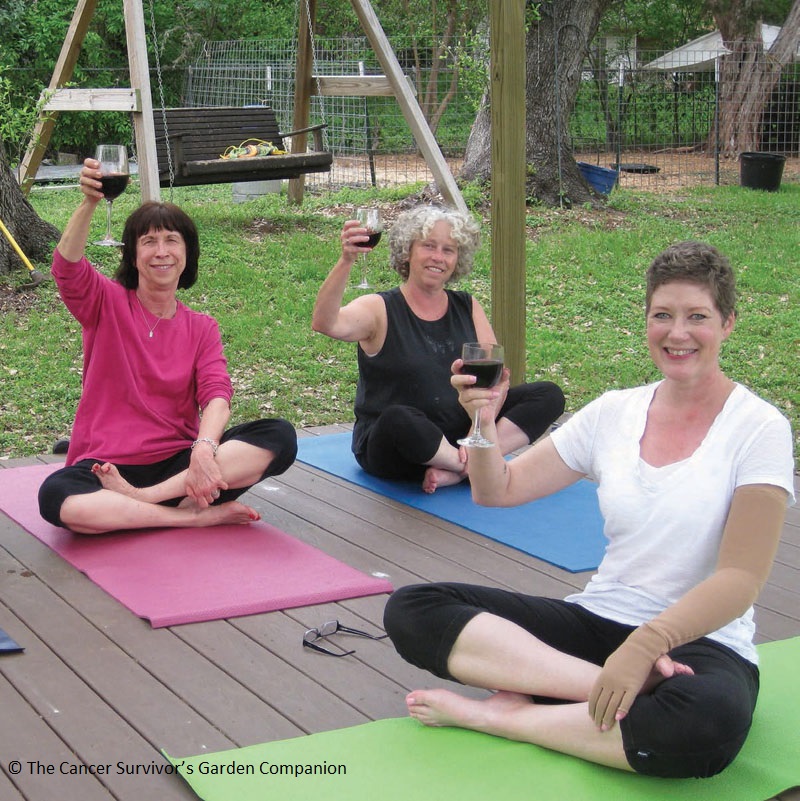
[[155, 216]]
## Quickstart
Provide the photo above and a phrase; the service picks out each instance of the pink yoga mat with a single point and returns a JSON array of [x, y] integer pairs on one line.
[[172, 576]]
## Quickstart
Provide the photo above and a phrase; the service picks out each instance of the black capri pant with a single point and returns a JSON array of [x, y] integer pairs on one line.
[[275, 435], [688, 726], [403, 439]]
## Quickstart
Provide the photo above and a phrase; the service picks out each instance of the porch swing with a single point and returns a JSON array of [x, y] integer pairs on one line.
[[226, 144], [166, 139]]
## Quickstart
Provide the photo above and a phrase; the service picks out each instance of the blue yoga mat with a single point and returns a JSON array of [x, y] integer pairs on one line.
[[565, 529]]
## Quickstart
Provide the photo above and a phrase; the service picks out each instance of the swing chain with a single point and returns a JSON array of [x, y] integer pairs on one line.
[[154, 34], [315, 70]]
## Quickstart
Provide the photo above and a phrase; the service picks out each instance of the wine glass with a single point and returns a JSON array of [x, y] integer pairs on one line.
[[371, 220], [484, 360], [115, 176]]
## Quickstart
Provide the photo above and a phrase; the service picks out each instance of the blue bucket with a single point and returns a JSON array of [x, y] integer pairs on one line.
[[601, 179]]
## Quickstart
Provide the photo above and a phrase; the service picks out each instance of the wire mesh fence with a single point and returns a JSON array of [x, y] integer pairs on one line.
[[369, 137], [679, 118], [654, 116], [662, 118]]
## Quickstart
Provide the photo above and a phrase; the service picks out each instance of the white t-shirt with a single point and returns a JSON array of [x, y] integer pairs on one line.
[[664, 525]]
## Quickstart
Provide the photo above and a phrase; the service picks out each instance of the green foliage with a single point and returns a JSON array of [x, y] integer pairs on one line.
[[262, 263], [663, 24], [16, 120]]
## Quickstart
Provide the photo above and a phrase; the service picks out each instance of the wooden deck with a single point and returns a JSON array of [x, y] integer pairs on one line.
[[97, 686]]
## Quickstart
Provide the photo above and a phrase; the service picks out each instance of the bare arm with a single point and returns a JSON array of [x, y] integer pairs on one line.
[[538, 472], [483, 328], [359, 320], [204, 477], [73, 241]]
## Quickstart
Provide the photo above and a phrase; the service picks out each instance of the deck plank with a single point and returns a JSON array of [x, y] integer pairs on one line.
[[98, 685], [31, 740]]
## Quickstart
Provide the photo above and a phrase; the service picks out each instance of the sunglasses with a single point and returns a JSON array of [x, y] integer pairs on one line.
[[311, 636]]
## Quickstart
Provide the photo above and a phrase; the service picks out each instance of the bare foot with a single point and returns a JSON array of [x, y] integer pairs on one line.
[[446, 708], [227, 513], [665, 668], [436, 477], [111, 479]]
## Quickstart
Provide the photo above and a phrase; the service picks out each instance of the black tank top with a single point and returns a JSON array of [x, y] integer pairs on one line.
[[413, 366]]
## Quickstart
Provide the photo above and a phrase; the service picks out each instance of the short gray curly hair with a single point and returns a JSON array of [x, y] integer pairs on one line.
[[416, 224]]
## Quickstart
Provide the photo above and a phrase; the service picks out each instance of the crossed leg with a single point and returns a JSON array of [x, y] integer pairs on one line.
[[446, 467], [496, 654], [119, 505]]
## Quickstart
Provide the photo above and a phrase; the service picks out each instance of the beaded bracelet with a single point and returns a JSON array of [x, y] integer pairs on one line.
[[212, 442]]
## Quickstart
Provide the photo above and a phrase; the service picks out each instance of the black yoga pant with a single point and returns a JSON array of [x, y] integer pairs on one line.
[[275, 435], [403, 440], [688, 726]]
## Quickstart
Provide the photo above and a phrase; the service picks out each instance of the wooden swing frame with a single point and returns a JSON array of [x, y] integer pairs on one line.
[[507, 88], [137, 100]]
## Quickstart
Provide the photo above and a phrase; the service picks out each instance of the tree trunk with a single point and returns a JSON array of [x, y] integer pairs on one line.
[[34, 236], [748, 75], [556, 46]]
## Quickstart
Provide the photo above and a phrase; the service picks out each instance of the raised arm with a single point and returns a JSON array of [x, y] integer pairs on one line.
[[73, 241], [361, 320]]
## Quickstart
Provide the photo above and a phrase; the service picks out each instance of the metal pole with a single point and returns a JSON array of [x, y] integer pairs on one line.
[[368, 133], [716, 121], [620, 86]]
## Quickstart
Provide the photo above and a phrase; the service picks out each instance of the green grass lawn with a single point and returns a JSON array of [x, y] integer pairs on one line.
[[263, 261]]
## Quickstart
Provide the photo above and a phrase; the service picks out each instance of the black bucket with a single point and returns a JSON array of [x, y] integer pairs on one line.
[[761, 170]]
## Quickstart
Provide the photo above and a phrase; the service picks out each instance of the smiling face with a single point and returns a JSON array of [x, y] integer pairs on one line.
[[433, 259], [160, 259], [685, 331]]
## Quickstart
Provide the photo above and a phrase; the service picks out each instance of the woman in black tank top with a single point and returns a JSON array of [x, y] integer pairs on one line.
[[407, 415]]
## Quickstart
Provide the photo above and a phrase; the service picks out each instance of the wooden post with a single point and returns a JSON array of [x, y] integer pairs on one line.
[[62, 72], [136, 100], [307, 10], [408, 104], [507, 87], [143, 126]]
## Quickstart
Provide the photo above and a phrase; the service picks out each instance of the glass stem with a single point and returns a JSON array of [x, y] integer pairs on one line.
[[108, 221], [476, 428], [363, 268]]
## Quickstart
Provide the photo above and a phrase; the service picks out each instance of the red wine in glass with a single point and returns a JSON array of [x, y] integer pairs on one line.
[[371, 220], [484, 360], [486, 371], [373, 239], [114, 178], [114, 185]]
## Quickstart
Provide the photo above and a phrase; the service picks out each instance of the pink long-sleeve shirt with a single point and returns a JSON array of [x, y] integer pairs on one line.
[[142, 395]]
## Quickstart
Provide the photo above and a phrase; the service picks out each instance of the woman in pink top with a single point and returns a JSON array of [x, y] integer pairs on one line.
[[149, 445]]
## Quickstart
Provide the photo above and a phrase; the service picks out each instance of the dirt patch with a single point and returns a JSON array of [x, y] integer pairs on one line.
[[262, 228], [672, 169], [675, 169], [17, 301]]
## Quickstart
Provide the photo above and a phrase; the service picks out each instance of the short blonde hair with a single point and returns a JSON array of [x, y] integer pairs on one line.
[[416, 224]]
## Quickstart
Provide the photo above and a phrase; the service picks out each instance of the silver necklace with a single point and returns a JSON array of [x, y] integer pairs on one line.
[[144, 317]]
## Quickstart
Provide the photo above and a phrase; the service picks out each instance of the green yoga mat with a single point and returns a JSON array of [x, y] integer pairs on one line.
[[401, 760]]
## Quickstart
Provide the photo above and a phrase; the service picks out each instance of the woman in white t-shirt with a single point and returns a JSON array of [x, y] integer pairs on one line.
[[694, 473]]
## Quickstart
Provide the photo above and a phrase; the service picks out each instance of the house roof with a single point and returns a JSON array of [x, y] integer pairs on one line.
[[699, 54]]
